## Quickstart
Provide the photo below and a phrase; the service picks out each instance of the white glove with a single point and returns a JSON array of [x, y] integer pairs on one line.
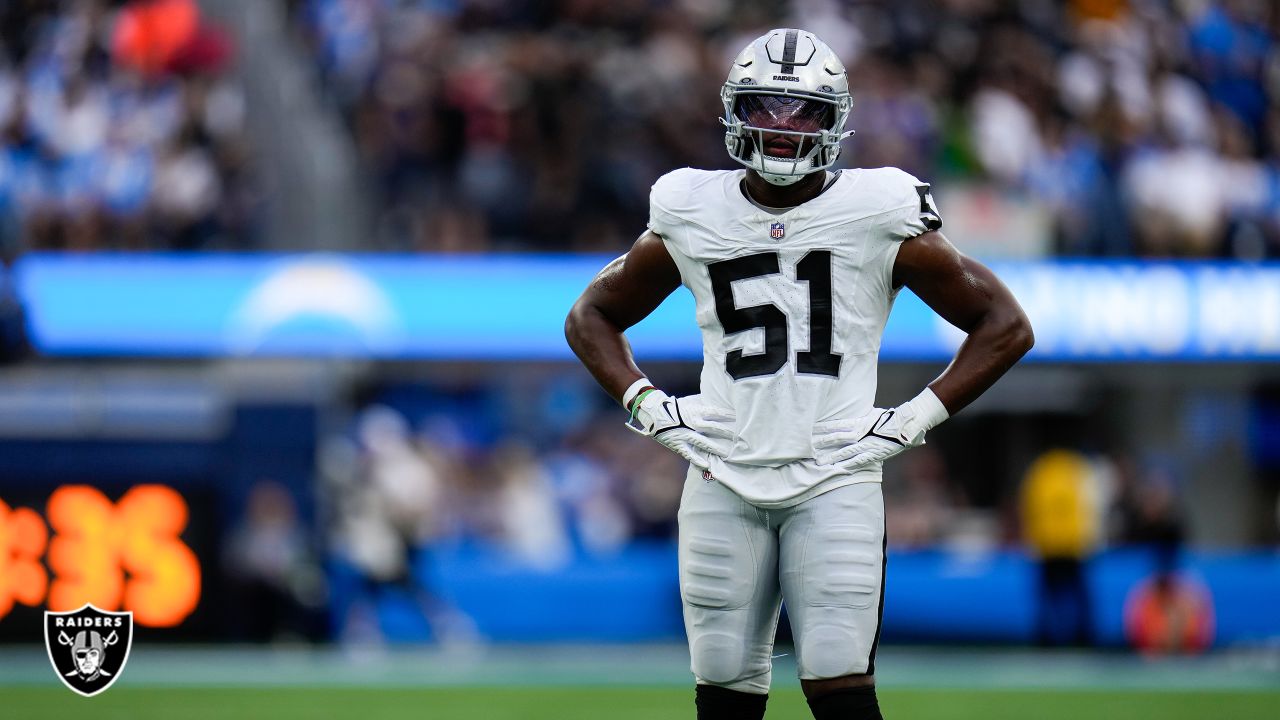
[[686, 426], [878, 435]]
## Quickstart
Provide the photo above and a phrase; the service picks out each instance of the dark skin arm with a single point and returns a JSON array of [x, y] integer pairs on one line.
[[969, 296], [621, 295]]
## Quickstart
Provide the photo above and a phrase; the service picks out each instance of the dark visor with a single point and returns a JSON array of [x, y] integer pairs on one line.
[[784, 112]]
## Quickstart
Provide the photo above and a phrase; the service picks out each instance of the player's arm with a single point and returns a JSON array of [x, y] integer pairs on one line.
[[969, 296], [972, 298], [623, 294]]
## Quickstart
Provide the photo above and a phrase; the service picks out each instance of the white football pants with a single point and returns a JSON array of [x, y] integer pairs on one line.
[[824, 557]]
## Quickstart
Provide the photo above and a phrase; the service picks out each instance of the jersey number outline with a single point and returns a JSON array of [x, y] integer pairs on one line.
[[814, 269], [930, 217]]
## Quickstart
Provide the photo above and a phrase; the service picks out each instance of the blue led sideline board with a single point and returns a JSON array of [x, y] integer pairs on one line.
[[512, 307]]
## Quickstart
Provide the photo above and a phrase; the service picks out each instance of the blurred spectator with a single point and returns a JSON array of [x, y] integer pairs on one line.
[[921, 505], [1145, 128], [389, 509], [119, 129], [1059, 519], [1169, 614], [1152, 520], [277, 582], [653, 496], [532, 529]]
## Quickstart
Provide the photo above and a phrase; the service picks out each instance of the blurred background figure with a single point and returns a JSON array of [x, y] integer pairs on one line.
[[1169, 614], [529, 517], [277, 581], [1152, 521], [1170, 611], [389, 510], [923, 502], [1060, 521]]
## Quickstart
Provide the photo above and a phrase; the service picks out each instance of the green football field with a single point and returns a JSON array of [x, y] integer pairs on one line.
[[598, 703], [629, 682]]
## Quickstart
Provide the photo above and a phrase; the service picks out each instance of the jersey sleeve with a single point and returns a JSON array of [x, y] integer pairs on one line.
[[668, 207], [665, 200], [909, 211]]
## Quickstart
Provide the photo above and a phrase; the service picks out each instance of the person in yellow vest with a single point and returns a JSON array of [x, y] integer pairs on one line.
[[1060, 524]]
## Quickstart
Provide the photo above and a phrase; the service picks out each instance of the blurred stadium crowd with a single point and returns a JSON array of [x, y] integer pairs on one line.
[[1142, 127], [1138, 127], [120, 128]]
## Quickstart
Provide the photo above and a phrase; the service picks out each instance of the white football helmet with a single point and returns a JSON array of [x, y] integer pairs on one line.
[[792, 80]]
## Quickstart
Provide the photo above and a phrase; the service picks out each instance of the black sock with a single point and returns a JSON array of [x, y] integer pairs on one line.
[[717, 703], [856, 703]]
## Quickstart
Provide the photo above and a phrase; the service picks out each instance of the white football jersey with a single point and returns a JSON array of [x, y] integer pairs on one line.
[[792, 307]]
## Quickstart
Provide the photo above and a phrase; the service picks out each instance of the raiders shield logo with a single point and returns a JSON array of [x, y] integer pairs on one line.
[[88, 647]]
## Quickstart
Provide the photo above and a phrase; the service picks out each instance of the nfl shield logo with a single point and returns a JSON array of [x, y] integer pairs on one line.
[[777, 230], [88, 647]]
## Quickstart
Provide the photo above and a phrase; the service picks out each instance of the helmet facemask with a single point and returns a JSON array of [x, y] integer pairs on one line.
[[811, 122]]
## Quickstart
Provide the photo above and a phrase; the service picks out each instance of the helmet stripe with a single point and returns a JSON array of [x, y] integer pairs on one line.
[[789, 52]]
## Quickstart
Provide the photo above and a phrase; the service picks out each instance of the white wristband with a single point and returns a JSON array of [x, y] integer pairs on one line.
[[634, 390], [930, 412]]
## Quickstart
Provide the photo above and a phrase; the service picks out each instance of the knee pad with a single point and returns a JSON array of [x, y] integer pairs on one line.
[[718, 658], [830, 650], [833, 642], [721, 660]]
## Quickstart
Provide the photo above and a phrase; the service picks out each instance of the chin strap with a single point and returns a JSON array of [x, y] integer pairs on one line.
[[781, 180]]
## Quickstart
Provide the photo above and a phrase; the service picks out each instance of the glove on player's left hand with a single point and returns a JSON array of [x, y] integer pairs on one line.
[[879, 434]]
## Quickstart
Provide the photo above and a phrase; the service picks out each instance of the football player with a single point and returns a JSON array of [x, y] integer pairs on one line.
[[793, 267]]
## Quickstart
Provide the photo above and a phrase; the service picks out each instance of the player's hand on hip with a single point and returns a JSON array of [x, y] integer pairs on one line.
[[877, 435], [687, 426]]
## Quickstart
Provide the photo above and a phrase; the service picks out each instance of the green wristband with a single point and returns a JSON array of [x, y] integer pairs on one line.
[[635, 404]]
